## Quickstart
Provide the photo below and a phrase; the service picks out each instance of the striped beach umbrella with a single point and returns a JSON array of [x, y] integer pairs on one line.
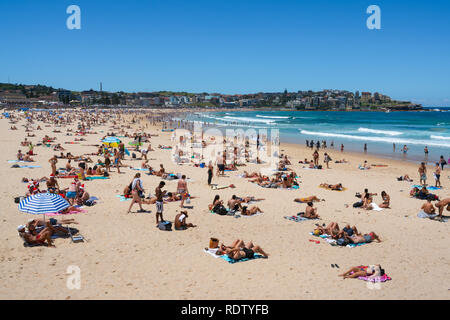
[[43, 203]]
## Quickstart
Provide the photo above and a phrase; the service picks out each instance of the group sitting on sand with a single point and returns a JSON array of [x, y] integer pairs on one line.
[[38, 232], [429, 211]]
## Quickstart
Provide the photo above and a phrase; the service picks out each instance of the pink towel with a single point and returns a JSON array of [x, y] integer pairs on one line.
[[382, 278], [61, 214]]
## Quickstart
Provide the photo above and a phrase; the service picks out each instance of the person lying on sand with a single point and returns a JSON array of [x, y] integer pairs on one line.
[[245, 211], [363, 271], [251, 175], [250, 199], [365, 238], [180, 221], [332, 228], [308, 199], [335, 187], [239, 250], [405, 178]]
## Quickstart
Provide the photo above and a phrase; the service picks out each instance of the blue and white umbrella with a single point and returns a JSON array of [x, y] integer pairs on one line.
[[43, 203]]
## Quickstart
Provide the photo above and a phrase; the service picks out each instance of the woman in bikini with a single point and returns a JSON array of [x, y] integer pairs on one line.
[[363, 271], [250, 211], [386, 200]]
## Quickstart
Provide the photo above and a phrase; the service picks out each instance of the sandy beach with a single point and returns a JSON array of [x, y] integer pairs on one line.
[[127, 257]]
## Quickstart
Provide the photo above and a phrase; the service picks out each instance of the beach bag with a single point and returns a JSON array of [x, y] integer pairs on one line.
[[341, 242], [18, 199], [220, 210], [133, 155], [188, 200], [165, 226], [358, 204], [213, 243]]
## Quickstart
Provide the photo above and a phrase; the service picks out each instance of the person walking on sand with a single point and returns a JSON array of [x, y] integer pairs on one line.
[[327, 160], [182, 190], [210, 173], [316, 158], [159, 201], [437, 175], [342, 147], [136, 191], [53, 161], [423, 174]]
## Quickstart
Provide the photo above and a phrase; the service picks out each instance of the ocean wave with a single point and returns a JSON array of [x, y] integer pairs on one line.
[[272, 117], [245, 119], [440, 138], [386, 132], [376, 139]]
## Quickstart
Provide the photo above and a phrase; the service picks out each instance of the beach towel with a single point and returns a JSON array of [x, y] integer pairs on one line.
[[422, 214], [97, 178], [29, 167], [16, 161], [140, 169], [212, 252], [63, 214], [122, 198], [429, 188], [382, 278], [67, 177], [298, 219], [375, 207]]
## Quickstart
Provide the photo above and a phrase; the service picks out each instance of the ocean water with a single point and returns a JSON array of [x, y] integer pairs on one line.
[[379, 130]]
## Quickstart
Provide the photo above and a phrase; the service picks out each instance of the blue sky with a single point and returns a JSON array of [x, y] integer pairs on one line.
[[230, 46]]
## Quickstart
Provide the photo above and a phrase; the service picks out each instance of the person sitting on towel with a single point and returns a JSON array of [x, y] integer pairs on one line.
[[310, 212]]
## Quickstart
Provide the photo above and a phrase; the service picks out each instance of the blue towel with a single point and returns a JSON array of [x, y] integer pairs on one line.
[[429, 188], [298, 219], [29, 167], [97, 178], [122, 198], [226, 258], [139, 169]]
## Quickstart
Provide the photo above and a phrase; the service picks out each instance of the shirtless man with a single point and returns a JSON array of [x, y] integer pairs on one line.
[[234, 203], [310, 212], [423, 174], [240, 250], [180, 221], [53, 161], [365, 238], [182, 189], [428, 208]]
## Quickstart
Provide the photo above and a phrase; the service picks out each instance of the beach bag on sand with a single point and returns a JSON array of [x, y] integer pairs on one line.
[[165, 226], [220, 210], [341, 242], [358, 204]]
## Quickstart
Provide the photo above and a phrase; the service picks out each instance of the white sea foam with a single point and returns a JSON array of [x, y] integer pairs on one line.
[[440, 138], [386, 132], [245, 119], [272, 117], [377, 139]]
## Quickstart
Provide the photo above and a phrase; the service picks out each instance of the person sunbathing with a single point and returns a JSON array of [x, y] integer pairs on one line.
[[335, 187], [363, 271], [240, 250], [308, 199], [331, 229], [252, 175], [310, 212], [365, 238], [250, 199], [245, 211], [38, 239], [405, 178], [180, 221]]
